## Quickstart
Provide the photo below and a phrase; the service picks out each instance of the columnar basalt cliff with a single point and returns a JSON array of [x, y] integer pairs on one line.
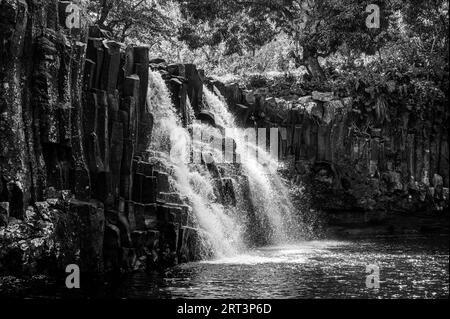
[[74, 163], [401, 168], [79, 183]]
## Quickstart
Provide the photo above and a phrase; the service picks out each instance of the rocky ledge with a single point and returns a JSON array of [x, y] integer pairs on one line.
[[344, 167], [76, 182]]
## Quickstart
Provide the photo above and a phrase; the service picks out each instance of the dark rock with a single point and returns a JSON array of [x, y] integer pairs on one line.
[[163, 214], [112, 237], [194, 87], [179, 88], [139, 216], [169, 237], [89, 74], [130, 215], [207, 117], [232, 94], [144, 168], [138, 181], [116, 156], [91, 234], [73, 117], [189, 248], [112, 250], [173, 198], [15, 200], [139, 239], [242, 112], [4, 213], [149, 189], [145, 119], [152, 240], [163, 181], [229, 196], [95, 53], [129, 259], [111, 64], [151, 216], [102, 131]]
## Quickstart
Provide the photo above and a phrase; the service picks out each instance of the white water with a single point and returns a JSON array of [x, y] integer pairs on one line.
[[222, 228], [269, 194], [222, 233]]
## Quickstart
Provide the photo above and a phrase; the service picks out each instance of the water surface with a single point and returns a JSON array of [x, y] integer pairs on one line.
[[413, 267]]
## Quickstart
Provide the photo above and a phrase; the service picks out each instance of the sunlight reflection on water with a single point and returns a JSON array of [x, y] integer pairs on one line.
[[292, 253], [412, 267], [409, 268]]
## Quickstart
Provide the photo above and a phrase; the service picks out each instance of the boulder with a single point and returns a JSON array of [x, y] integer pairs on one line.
[[314, 109], [322, 96], [305, 99]]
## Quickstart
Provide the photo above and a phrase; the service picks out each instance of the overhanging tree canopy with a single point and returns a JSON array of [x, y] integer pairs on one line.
[[317, 28]]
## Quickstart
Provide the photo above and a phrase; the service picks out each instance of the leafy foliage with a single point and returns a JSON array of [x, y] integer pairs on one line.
[[316, 28], [401, 67], [141, 20]]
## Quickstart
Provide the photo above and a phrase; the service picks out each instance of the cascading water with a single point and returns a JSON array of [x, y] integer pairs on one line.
[[221, 231], [268, 192], [224, 228]]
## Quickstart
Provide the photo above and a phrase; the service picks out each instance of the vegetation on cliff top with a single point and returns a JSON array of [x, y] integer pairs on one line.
[[303, 45], [327, 42]]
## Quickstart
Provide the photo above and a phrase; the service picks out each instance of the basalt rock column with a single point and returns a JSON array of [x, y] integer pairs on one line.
[[14, 155], [75, 130], [194, 86]]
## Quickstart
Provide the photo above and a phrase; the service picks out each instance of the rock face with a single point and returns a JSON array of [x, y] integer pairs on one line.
[[74, 127], [78, 185], [185, 83], [384, 167], [48, 239], [388, 168]]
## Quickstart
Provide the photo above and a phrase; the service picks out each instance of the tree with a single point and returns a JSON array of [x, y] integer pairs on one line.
[[143, 20], [208, 23], [317, 28], [426, 24]]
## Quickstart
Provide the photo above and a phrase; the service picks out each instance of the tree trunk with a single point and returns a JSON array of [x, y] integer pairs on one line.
[[311, 62], [104, 12], [314, 68]]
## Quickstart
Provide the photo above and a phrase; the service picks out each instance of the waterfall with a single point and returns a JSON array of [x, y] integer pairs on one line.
[[261, 199], [268, 192], [221, 231]]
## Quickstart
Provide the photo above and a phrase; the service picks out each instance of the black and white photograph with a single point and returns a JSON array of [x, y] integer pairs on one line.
[[227, 150]]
